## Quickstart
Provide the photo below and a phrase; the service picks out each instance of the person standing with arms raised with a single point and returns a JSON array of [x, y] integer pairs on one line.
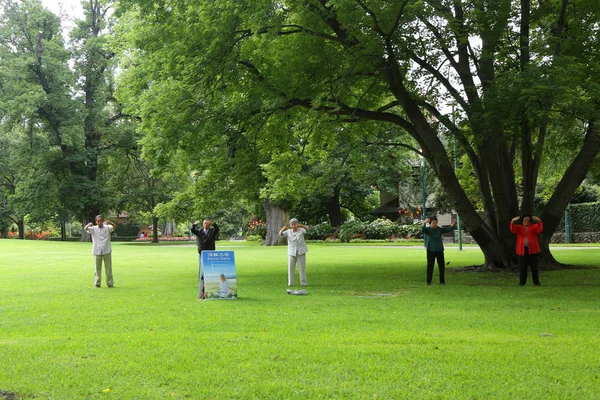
[[101, 249], [435, 247], [528, 248], [205, 239], [296, 250]]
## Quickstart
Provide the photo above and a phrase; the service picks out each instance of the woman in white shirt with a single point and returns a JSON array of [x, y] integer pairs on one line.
[[223, 286], [296, 250]]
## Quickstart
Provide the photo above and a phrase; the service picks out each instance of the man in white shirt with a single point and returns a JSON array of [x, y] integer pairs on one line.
[[101, 248], [296, 250]]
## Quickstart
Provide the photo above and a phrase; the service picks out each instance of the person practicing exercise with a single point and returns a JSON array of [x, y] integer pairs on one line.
[[528, 248], [101, 249], [205, 240], [296, 250], [435, 247]]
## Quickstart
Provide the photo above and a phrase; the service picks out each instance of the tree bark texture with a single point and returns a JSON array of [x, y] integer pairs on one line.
[[276, 218], [154, 229]]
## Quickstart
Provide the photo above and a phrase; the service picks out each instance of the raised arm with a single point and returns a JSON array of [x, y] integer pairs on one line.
[[194, 229], [514, 228], [283, 229], [539, 226]]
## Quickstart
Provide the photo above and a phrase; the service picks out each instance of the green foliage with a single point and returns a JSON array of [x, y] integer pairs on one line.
[[379, 229], [585, 217], [255, 238], [321, 231], [306, 103], [257, 229], [66, 108], [129, 229]]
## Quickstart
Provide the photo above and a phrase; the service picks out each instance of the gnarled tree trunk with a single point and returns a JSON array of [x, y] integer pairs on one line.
[[276, 218]]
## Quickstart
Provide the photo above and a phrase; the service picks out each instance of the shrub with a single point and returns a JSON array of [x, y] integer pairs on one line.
[[254, 238], [379, 229], [350, 229], [321, 231], [257, 227], [127, 229], [585, 217]]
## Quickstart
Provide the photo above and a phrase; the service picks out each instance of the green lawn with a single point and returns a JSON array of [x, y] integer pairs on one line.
[[479, 337]]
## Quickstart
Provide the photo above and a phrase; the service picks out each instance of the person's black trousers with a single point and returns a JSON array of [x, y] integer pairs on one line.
[[431, 257], [532, 260]]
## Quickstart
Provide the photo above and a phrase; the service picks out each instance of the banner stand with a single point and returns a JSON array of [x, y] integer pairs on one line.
[[217, 279]]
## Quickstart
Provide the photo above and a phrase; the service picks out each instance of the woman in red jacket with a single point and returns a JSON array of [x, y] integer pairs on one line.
[[528, 248]]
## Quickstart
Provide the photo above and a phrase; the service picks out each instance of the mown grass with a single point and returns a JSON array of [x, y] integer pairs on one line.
[[479, 337]]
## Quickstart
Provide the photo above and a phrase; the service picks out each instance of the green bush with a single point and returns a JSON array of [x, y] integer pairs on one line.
[[257, 227], [351, 230], [321, 232], [378, 230], [254, 238], [127, 229]]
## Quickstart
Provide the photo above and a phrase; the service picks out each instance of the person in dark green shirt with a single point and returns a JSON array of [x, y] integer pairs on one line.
[[435, 247]]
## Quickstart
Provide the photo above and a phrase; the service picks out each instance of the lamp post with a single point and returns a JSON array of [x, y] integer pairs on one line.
[[568, 224]]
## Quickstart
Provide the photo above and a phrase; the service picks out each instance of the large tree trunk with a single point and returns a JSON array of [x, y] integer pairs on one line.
[[21, 226], [85, 237], [276, 218], [154, 229], [63, 230], [169, 228], [334, 208], [497, 254]]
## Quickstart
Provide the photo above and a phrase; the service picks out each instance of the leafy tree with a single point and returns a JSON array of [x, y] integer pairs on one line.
[[94, 68], [139, 186], [36, 93], [212, 76], [336, 169]]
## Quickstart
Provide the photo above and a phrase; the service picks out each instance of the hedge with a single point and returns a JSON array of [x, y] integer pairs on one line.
[[379, 229], [585, 217]]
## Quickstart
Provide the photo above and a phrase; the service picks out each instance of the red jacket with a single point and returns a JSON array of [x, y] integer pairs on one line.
[[532, 232]]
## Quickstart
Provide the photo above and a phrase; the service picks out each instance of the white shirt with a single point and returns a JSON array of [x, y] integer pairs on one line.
[[224, 286], [100, 239], [296, 243]]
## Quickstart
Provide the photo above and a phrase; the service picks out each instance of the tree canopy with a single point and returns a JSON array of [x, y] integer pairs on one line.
[[508, 80]]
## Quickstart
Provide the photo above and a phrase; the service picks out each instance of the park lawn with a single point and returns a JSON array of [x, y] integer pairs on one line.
[[479, 337]]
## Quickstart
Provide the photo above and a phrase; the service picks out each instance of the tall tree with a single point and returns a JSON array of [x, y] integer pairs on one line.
[[93, 65], [35, 97], [243, 64]]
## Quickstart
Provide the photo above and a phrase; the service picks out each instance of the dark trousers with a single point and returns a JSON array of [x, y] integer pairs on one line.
[[431, 257], [533, 261]]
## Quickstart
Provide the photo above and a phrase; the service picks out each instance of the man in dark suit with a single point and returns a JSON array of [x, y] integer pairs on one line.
[[205, 239]]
